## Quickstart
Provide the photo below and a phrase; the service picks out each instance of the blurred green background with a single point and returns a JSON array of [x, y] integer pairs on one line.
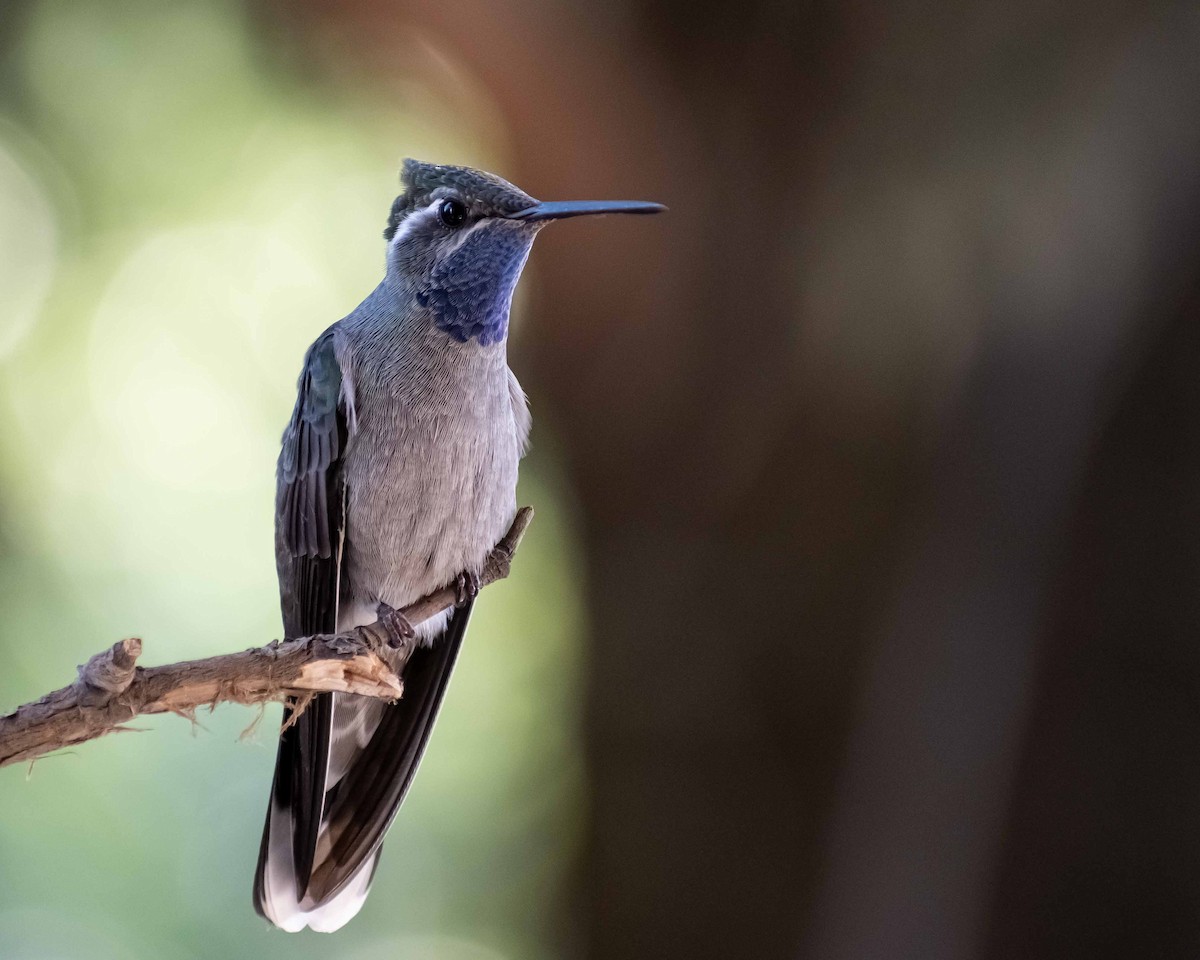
[[180, 215]]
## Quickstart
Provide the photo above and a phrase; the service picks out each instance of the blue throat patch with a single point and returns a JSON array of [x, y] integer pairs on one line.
[[470, 292]]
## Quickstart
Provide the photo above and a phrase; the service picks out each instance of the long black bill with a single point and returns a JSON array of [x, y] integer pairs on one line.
[[560, 209]]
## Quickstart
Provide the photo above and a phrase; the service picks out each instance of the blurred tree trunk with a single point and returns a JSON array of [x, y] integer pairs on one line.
[[733, 520], [1103, 847]]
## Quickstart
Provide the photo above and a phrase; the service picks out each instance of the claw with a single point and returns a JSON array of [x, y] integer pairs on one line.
[[395, 624], [467, 585]]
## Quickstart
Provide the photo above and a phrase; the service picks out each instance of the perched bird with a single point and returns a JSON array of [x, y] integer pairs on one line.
[[397, 475]]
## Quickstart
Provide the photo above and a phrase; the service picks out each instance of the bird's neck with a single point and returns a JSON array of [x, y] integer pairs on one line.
[[392, 330]]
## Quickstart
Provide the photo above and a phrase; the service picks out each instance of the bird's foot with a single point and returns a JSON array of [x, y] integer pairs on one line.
[[396, 625], [466, 585]]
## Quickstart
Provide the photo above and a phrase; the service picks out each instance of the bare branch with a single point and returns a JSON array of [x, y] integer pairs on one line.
[[111, 689]]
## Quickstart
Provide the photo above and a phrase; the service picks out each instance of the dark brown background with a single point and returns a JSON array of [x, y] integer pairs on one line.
[[886, 440]]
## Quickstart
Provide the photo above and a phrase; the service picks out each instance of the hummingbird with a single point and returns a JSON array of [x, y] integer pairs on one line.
[[397, 475]]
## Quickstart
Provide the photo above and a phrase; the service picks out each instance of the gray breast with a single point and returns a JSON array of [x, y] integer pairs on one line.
[[430, 468]]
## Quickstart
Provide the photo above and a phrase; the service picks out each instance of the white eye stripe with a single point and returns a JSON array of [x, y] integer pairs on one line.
[[414, 219], [420, 218]]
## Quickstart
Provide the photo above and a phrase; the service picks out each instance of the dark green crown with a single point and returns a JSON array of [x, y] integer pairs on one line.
[[485, 194]]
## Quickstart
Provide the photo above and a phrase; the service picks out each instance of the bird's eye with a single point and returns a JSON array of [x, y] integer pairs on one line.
[[452, 213]]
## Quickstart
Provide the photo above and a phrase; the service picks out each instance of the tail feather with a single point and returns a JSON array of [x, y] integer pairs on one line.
[[330, 810]]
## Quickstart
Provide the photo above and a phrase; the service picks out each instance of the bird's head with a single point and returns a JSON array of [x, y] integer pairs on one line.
[[458, 238]]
